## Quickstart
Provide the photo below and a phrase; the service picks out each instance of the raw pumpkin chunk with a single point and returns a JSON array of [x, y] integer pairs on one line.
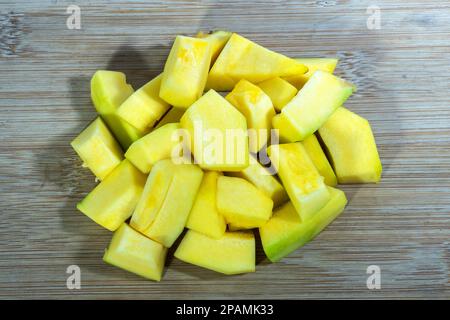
[[144, 107], [218, 133], [299, 176], [157, 145], [109, 89], [204, 216], [233, 253], [164, 207], [313, 64], [98, 149], [244, 59], [185, 71], [114, 199], [279, 90], [172, 116], [153, 196], [318, 157], [312, 106], [132, 251], [263, 180], [285, 232], [241, 203], [257, 108], [351, 147], [217, 41]]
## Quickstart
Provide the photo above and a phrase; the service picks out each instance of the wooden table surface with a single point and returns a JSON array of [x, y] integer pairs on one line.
[[403, 74]]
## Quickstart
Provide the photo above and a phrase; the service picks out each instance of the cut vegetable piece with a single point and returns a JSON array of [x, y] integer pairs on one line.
[[244, 59], [98, 149], [300, 177], [153, 196], [233, 253], [172, 217], [157, 145], [313, 64], [165, 206], [109, 89], [351, 147], [114, 199], [312, 106], [263, 180], [241, 203], [318, 157], [279, 90], [172, 116], [144, 107], [218, 133], [257, 108], [217, 41], [132, 251], [204, 216], [285, 232], [185, 71]]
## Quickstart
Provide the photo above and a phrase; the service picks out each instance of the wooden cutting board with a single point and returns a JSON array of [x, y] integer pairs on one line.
[[402, 72]]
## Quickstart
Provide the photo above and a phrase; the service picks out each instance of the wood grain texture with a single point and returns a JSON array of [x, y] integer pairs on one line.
[[402, 72]]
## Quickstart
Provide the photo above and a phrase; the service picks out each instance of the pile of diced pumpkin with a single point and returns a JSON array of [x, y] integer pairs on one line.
[[148, 199]]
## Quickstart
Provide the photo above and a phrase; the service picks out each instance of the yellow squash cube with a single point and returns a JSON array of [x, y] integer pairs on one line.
[[312, 106], [241, 203], [285, 232], [168, 196], [244, 59], [114, 199], [279, 90], [185, 71], [263, 180], [351, 147], [204, 216], [157, 145], [217, 40], [153, 196], [218, 133], [172, 116], [313, 64], [109, 89], [233, 253], [144, 107], [98, 149], [132, 251], [318, 157], [257, 108], [302, 181]]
